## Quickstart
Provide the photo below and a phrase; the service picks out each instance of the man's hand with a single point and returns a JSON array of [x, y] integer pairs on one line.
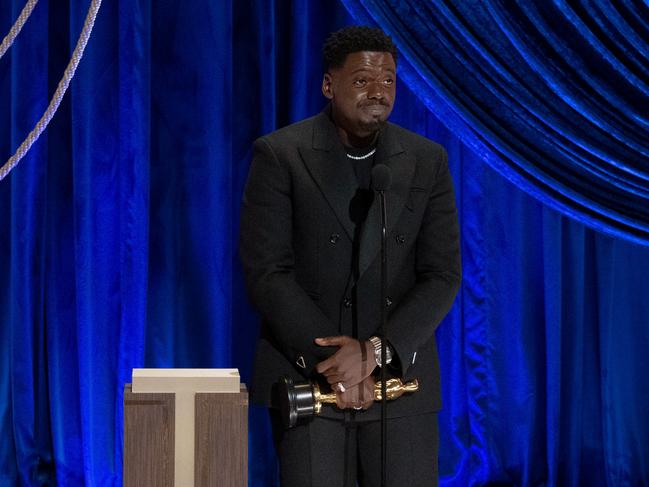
[[360, 396], [350, 365]]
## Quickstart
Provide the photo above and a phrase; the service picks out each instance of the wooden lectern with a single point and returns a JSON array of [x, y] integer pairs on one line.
[[185, 427]]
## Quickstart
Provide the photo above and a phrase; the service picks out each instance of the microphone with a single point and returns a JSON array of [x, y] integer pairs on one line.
[[381, 182], [381, 177]]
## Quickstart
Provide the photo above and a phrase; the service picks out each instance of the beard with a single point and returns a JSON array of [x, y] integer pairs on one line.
[[372, 126], [376, 121]]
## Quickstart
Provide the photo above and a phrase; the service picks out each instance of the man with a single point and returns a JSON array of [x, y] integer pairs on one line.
[[310, 247]]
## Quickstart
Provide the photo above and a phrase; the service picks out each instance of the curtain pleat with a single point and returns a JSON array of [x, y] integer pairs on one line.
[[555, 95], [119, 230]]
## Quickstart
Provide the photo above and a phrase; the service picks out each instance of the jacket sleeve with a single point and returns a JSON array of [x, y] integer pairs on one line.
[[438, 273], [266, 249]]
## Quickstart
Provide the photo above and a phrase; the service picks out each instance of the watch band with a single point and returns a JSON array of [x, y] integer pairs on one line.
[[376, 342]]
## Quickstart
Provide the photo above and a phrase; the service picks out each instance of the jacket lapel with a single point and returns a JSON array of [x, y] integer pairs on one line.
[[338, 182], [323, 161], [390, 152]]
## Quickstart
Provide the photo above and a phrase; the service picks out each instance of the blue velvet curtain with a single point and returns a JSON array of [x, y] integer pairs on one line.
[[74, 242], [118, 248], [554, 95]]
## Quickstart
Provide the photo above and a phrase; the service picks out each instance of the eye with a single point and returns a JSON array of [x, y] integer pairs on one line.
[[388, 81], [360, 82]]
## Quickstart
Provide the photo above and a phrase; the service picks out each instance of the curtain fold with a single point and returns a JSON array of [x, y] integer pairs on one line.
[[27, 354], [555, 96], [119, 229], [77, 254]]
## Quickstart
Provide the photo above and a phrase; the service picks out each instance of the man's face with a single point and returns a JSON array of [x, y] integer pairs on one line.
[[361, 93]]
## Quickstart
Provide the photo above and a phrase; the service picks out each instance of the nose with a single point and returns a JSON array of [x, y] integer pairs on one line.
[[376, 91]]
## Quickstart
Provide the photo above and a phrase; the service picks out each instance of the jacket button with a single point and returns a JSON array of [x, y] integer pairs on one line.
[[388, 301], [333, 238], [400, 239], [347, 302]]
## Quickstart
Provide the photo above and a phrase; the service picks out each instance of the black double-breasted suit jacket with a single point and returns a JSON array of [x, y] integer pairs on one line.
[[296, 250]]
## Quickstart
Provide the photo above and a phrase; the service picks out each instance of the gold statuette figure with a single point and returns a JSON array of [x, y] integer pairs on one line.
[[303, 400], [394, 388]]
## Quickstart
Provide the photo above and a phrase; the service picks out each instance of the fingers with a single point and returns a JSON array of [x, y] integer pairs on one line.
[[348, 399], [368, 392], [331, 370], [346, 363], [348, 380], [326, 365], [356, 397], [335, 379], [339, 360], [336, 341]]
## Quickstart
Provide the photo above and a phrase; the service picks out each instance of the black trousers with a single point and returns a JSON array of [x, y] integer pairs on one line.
[[332, 453]]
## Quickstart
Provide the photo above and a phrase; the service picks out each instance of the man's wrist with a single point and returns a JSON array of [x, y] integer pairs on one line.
[[376, 343]]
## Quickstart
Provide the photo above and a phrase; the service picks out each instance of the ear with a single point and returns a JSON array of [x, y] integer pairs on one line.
[[327, 90]]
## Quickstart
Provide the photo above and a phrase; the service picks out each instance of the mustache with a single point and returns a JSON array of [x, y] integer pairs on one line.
[[373, 103]]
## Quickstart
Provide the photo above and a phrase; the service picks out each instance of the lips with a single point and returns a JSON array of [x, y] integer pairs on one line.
[[377, 109], [371, 105]]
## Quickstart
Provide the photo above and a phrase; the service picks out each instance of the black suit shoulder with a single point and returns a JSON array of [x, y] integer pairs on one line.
[[294, 135], [301, 133], [431, 157], [410, 138], [420, 145], [284, 145]]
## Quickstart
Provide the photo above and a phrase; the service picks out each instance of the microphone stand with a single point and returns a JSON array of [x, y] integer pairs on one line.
[[384, 316], [381, 181]]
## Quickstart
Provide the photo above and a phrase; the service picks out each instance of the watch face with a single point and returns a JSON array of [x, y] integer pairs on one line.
[[388, 356]]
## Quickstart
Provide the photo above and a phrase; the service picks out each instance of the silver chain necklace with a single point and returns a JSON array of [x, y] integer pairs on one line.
[[360, 158]]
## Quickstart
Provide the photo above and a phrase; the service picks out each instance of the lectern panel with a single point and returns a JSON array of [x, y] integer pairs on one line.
[[148, 439], [221, 439]]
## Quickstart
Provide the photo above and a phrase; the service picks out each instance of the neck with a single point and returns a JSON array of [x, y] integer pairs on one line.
[[357, 141], [350, 138]]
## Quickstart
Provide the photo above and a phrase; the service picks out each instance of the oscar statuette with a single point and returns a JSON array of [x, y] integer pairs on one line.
[[304, 399]]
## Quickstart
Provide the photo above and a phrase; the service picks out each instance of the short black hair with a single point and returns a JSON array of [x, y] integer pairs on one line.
[[352, 39]]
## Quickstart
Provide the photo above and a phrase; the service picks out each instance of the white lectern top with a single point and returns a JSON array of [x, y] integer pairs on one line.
[[194, 380]]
